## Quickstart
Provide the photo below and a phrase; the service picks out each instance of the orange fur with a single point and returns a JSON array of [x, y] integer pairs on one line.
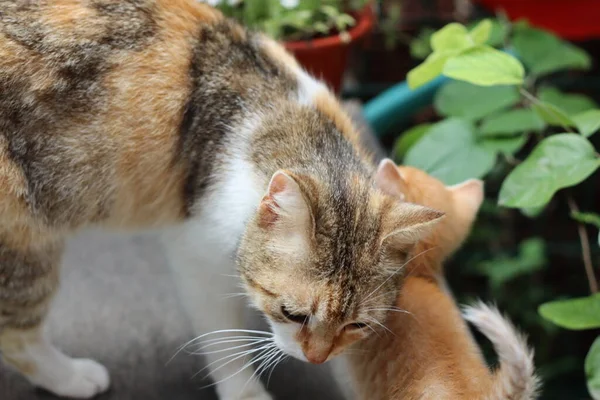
[[326, 103], [428, 352], [150, 186]]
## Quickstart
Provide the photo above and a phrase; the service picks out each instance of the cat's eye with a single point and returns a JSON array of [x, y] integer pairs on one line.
[[356, 326], [297, 318]]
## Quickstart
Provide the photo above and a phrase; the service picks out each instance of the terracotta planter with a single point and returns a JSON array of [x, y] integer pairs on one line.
[[571, 19], [327, 57]]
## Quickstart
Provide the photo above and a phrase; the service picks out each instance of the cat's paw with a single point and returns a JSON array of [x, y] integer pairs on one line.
[[87, 380]]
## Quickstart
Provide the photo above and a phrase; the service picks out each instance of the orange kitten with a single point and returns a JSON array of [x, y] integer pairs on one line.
[[426, 350]]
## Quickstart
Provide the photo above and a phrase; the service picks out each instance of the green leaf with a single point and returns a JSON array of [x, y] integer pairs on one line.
[[586, 218], [559, 161], [485, 66], [532, 212], [512, 122], [552, 114], [465, 100], [450, 152], [428, 70], [481, 32], [497, 34], [420, 47], [531, 258], [592, 369], [506, 145], [588, 122], [568, 102], [452, 37], [544, 53], [575, 314], [407, 139]]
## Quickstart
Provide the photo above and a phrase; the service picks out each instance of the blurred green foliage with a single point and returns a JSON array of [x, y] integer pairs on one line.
[[293, 19]]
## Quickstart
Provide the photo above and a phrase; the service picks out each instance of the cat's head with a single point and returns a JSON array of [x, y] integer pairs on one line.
[[459, 202], [323, 261]]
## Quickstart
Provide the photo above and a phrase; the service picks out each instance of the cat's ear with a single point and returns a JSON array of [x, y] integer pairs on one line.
[[389, 180], [468, 195], [284, 206], [411, 223]]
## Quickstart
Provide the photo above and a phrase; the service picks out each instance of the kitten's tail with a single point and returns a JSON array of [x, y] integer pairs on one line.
[[516, 378]]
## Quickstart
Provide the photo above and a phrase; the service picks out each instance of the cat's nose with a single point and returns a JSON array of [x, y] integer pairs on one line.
[[317, 355]]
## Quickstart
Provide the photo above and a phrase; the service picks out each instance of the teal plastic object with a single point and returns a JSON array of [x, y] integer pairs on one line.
[[395, 106]]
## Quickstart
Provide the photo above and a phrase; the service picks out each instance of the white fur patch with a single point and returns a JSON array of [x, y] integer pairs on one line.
[[308, 87], [61, 375], [284, 338], [201, 253]]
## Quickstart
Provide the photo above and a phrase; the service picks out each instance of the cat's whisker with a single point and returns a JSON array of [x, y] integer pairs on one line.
[[236, 356], [397, 270], [381, 325], [216, 342], [232, 331], [392, 309], [244, 367], [231, 276], [232, 338], [261, 358], [198, 338], [265, 361], [281, 358], [378, 296], [238, 330], [233, 295], [371, 328], [271, 365], [201, 353]]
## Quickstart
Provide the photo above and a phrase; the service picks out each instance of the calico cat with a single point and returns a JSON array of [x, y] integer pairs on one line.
[[426, 350], [164, 115]]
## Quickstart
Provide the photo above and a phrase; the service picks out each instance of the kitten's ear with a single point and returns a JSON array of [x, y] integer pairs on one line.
[[468, 194], [412, 223], [284, 206], [389, 180]]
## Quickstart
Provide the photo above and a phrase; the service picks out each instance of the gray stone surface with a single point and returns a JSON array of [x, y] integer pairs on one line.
[[118, 305]]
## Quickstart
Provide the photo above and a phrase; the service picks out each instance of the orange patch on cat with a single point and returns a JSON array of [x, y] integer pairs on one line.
[[278, 53], [189, 9], [67, 15], [151, 185], [328, 105], [18, 228], [14, 342]]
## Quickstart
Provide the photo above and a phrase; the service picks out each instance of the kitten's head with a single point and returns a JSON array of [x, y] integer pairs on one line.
[[460, 203], [322, 259]]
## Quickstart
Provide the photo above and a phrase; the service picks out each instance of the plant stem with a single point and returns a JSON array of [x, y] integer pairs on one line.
[[535, 100], [511, 160], [585, 248]]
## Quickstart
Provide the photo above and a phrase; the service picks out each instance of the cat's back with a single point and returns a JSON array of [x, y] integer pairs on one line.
[[91, 99]]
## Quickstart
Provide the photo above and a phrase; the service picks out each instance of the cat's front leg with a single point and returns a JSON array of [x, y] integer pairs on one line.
[[210, 293], [28, 279]]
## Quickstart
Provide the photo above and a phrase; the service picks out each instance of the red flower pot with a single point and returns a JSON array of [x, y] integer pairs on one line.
[[571, 19], [327, 57]]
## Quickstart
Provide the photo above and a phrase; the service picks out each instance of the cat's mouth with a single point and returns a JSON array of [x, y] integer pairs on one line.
[[293, 350]]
